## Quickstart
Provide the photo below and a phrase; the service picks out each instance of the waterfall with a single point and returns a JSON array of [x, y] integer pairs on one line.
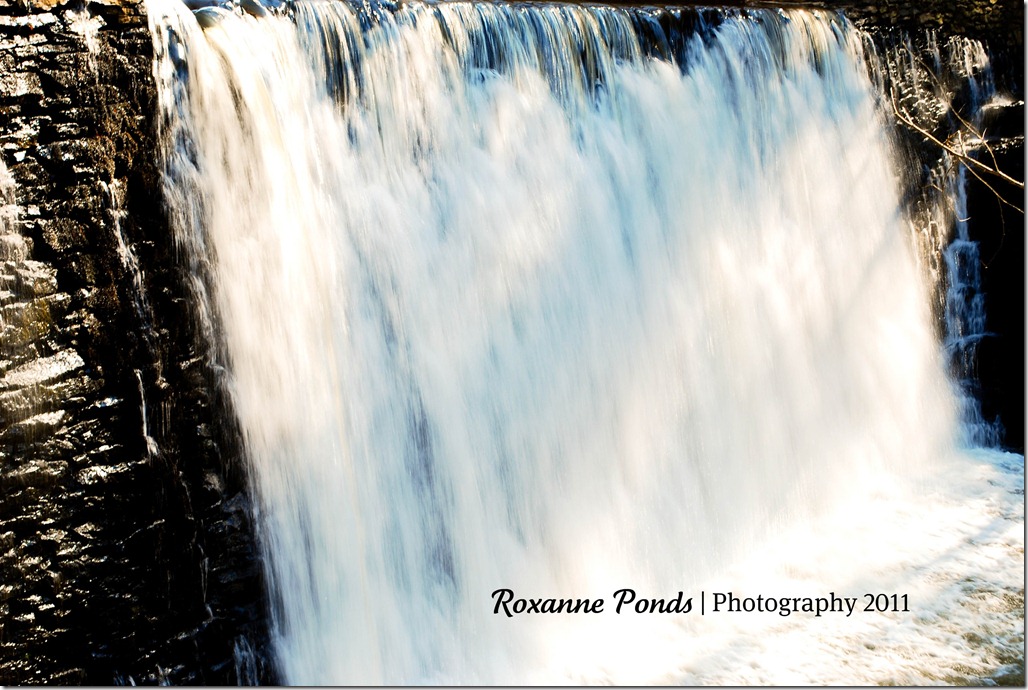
[[555, 298]]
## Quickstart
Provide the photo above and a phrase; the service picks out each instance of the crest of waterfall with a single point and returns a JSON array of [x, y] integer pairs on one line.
[[556, 298]]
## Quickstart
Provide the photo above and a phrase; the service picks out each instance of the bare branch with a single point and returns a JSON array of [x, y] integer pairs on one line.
[[963, 157], [967, 160]]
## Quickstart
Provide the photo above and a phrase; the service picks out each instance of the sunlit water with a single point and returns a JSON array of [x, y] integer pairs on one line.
[[508, 300]]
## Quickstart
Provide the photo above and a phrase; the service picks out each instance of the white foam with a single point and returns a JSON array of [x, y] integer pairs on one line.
[[489, 329]]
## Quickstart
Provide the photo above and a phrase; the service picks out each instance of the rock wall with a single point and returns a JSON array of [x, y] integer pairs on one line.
[[126, 553], [1000, 22]]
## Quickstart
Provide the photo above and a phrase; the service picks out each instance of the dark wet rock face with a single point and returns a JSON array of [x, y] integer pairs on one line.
[[999, 22], [126, 552]]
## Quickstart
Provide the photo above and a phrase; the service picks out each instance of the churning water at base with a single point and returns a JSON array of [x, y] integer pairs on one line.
[[556, 299]]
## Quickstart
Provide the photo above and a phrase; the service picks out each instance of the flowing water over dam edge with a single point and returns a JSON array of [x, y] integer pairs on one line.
[[420, 432], [162, 399]]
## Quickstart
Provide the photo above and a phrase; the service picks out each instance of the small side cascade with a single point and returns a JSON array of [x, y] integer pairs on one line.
[[965, 300], [943, 91]]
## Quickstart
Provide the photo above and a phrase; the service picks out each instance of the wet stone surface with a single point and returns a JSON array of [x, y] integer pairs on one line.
[[122, 559]]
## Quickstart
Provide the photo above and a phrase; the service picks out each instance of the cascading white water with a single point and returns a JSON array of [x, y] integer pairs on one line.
[[506, 303]]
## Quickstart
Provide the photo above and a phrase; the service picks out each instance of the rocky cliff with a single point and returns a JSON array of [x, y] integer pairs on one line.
[[126, 553]]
